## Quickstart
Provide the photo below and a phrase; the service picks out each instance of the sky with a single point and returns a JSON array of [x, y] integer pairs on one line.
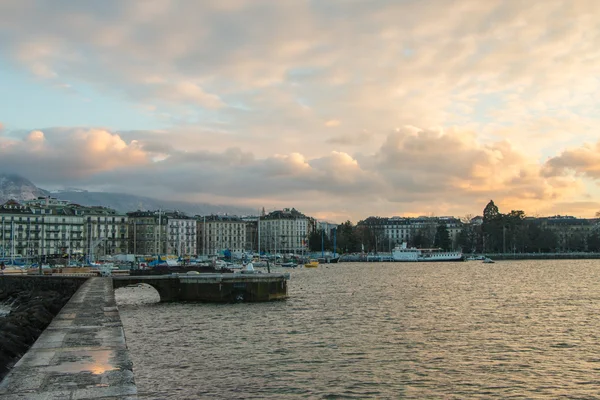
[[342, 109]]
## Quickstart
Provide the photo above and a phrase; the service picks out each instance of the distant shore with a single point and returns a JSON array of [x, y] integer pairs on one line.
[[543, 256], [386, 257]]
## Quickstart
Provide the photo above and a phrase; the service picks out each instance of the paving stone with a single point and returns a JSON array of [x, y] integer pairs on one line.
[[82, 354]]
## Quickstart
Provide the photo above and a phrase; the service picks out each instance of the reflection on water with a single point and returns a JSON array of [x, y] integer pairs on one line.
[[442, 330], [97, 362]]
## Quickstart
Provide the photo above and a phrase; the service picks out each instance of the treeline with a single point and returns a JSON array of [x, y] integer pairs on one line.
[[498, 233], [514, 233], [363, 238]]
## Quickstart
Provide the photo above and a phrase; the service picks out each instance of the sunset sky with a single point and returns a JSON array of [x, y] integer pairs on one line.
[[339, 108]]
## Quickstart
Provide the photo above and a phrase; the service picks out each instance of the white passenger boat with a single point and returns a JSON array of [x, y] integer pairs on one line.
[[404, 253]]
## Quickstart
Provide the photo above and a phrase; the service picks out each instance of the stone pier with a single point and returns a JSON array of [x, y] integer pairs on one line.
[[81, 355]]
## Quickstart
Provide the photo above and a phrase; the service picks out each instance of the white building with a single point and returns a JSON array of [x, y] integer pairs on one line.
[[105, 232], [397, 230], [33, 231], [284, 231], [77, 230], [180, 234]]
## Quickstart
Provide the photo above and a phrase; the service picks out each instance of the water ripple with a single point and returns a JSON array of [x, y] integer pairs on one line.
[[519, 329]]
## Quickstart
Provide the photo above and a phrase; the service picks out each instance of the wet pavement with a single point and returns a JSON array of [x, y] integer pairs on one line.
[[81, 355]]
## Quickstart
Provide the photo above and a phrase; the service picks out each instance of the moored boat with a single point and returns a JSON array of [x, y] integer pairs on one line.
[[312, 264], [289, 264], [404, 253]]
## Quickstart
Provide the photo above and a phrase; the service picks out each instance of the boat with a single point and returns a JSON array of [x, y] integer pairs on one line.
[[328, 260], [290, 264], [312, 264], [488, 260], [404, 253]]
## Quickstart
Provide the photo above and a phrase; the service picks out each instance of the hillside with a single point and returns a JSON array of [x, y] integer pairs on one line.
[[18, 188]]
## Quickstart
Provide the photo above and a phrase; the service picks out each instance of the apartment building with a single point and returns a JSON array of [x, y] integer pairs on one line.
[[147, 232], [218, 233], [76, 230], [284, 231], [33, 229], [105, 232], [397, 230], [180, 234]]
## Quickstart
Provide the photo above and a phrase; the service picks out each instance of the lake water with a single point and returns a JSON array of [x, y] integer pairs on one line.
[[522, 329]]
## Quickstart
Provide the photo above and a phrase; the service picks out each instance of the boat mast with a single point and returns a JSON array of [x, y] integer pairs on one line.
[[322, 243], [334, 244], [68, 246], [12, 241]]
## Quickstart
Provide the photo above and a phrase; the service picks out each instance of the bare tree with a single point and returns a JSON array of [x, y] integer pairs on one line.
[[466, 219]]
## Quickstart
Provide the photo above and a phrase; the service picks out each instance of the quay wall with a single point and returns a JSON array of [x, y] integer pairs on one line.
[[82, 354], [220, 288], [34, 301]]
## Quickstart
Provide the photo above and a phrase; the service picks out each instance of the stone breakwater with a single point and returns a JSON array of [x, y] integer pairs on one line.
[[31, 312]]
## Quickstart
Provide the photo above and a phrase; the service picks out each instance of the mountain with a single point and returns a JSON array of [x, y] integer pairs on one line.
[[15, 187], [127, 202]]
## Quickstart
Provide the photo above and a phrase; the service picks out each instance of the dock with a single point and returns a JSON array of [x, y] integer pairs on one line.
[[81, 355], [220, 288]]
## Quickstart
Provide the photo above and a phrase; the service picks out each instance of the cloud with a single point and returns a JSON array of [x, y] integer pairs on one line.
[[584, 161], [413, 169], [242, 113], [62, 154]]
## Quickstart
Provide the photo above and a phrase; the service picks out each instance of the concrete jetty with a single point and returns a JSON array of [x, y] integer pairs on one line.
[[81, 355], [213, 287]]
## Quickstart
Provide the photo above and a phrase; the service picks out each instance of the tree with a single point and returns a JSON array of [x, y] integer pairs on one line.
[[419, 239], [466, 219], [318, 241], [576, 242], [466, 239], [492, 228], [347, 239], [490, 212], [593, 241], [442, 237], [543, 240]]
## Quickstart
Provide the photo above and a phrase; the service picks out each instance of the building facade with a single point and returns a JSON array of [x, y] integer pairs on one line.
[[219, 233], [106, 232], [284, 231], [180, 234], [147, 233], [41, 229], [397, 230]]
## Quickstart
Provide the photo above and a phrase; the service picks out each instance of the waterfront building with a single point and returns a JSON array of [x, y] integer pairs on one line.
[[147, 232], [251, 232], [77, 230], [219, 233], [43, 227], [285, 231], [180, 234], [393, 231], [105, 232], [571, 232]]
